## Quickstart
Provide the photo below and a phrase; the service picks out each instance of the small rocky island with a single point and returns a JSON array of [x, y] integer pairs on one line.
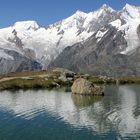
[[82, 86]]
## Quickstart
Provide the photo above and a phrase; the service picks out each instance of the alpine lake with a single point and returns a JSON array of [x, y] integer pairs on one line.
[[60, 115]]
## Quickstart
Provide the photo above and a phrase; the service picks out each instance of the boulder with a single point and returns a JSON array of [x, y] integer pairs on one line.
[[82, 86]]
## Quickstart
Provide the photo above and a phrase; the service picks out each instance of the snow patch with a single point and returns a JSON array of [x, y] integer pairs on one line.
[[26, 25], [130, 12], [131, 36], [100, 34], [117, 23]]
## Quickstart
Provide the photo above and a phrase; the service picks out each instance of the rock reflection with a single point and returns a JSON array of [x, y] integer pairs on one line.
[[119, 110], [84, 101]]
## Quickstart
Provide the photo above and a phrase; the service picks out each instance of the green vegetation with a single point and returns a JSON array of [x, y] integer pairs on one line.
[[129, 80], [51, 79], [27, 84], [29, 73], [112, 80], [32, 80]]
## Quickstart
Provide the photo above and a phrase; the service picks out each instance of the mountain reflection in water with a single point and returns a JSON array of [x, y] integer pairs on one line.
[[118, 110]]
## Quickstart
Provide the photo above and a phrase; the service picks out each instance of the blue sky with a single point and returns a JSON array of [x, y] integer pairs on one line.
[[49, 11]]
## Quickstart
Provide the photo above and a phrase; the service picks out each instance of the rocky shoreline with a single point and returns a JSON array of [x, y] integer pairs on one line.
[[56, 78]]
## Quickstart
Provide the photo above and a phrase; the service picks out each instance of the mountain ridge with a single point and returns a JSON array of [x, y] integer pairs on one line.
[[45, 44]]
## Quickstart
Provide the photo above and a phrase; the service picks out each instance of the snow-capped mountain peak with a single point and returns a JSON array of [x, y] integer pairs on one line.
[[104, 12], [107, 7], [130, 12], [80, 13], [26, 25], [128, 6]]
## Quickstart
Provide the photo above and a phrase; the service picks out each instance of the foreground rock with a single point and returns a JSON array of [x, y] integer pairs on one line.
[[82, 86]]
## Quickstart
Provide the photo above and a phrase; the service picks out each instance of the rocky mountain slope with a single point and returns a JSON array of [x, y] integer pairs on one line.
[[112, 50], [105, 32], [100, 57]]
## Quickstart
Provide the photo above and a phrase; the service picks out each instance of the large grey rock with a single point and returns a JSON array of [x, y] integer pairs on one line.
[[82, 86]]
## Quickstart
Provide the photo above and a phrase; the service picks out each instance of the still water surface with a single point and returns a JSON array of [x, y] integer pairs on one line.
[[58, 115]]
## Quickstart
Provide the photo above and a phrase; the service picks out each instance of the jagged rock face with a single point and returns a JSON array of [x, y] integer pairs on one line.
[[113, 50], [100, 57], [11, 61]]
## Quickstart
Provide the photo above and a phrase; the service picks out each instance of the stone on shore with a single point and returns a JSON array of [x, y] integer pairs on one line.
[[82, 86]]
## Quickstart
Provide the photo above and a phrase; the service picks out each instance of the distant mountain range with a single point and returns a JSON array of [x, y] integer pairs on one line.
[[103, 42]]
